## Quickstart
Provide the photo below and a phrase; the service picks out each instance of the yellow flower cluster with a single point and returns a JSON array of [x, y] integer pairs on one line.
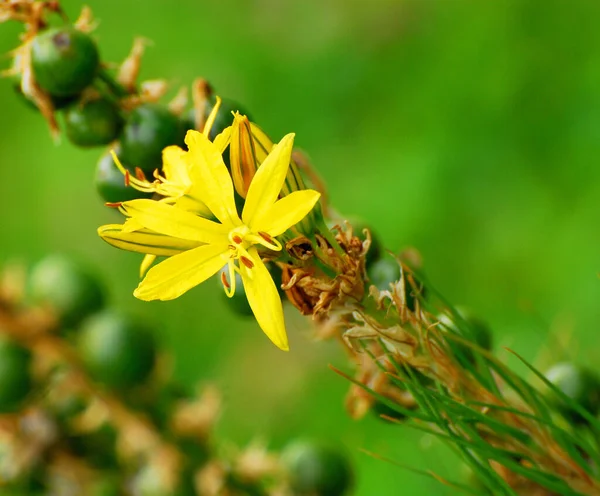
[[195, 185]]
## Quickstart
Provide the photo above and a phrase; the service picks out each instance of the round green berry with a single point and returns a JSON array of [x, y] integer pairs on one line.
[[93, 123], [577, 383], [68, 288], [317, 469], [15, 376], [110, 181], [65, 61], [149, 129], [118, 350]]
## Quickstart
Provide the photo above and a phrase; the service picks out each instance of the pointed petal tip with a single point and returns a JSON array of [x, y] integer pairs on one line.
[[281, 343]]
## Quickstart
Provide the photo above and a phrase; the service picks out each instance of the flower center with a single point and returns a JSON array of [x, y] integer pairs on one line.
[[240, 239]]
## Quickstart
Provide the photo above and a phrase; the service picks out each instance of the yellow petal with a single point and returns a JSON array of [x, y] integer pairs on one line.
[[222, 139], [176, 275], [175, 166], [267, 181], [131, 225], [172, 221], [286, 212], [211, 178], [146, 264], [264, 300], [144, 241]]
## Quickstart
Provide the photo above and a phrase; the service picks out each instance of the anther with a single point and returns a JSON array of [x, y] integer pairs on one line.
[[266, 237], [247, 262], [224, 280], [126, 178], [139, 173], [237, 239], [113, 204], [231, 247]]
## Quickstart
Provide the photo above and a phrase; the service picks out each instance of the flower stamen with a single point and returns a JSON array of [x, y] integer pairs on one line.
[[246, 261], [237, 239], [266, 237], [224, 281]]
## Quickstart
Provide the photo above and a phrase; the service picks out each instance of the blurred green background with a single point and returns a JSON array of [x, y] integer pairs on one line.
[[469, 130]]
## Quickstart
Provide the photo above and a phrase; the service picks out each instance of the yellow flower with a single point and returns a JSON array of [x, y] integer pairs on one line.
[[198, 248], [175, 185]]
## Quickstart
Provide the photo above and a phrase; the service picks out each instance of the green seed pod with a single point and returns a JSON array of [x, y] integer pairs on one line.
[[118, 350], [93, 123], [478, 330], [65, 61], [110, 182], [15, 376], [317, 469], [148, 130], [69, 289], [579, 384], [224, 117]]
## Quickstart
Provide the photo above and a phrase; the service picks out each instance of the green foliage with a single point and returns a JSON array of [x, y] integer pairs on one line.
[[65, 61]]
